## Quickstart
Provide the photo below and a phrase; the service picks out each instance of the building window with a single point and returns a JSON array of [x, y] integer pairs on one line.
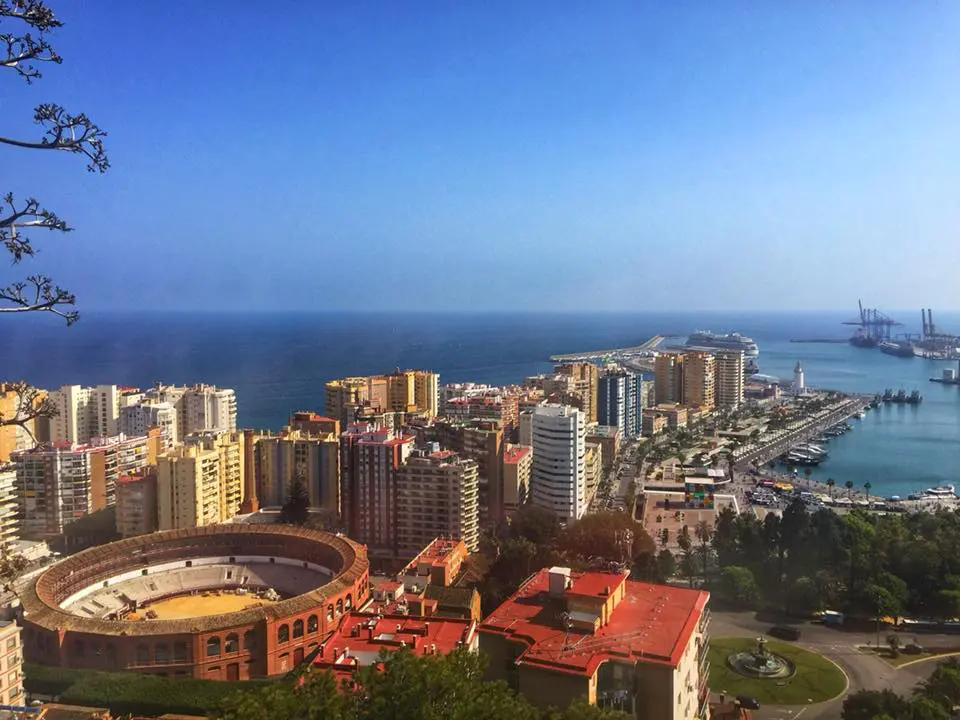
[[143, 654], [283, 633], [340, 606], [189, 563], [79, 650], [213, 647], [249, 640], [180, 651], [329, 612], [298, 628], [11, 644], [349, 603], [232, 643], [312, 624], [161, 654]]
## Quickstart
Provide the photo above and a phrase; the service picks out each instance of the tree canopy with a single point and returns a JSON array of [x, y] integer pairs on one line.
[[897, 563], [402, 686], [296, 510], [25, 29], [931, 700]]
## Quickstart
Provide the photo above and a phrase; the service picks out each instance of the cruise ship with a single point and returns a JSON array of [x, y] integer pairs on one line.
[[730, 341]]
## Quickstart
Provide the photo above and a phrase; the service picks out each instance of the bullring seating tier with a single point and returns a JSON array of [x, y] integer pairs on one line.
[[286, 580]]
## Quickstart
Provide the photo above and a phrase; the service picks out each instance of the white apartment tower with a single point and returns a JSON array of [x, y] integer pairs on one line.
[[136, 419], [9, 507], [199, 407], [557, 475], [84, 413]]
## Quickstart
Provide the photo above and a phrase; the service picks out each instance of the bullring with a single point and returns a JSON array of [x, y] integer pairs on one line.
[[110, 607]]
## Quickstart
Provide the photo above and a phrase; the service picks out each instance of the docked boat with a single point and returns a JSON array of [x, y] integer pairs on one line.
[[729, 341], [944, 491], [897, 348]]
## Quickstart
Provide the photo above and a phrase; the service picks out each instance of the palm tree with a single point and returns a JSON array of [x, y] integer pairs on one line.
[[849, 486], [704, 533], [830, 484], [867, 486]]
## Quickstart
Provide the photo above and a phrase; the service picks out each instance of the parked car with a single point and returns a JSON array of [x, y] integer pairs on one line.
[[747, 702], [785, 632]]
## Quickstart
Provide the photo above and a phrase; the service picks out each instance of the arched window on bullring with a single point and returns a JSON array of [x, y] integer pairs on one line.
[[232, 643], [349, 603], [283, 633], [298, 628], [312, 624], [180, 652], [161, 654], [340, 606], [213, 646], [143, 654], [329, 612], [249, 640]]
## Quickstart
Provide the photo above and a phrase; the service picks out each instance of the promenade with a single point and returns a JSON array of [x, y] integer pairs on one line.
[[776, 444]]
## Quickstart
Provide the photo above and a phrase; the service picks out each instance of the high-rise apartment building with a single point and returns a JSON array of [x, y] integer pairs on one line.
[[60, 482], [699, 376], [592, 469], [84, 413], [403, 391], [310, 422], [517, 461], [230, 447], [11, 663], [199, 407], [9, 507], [315, 456], [189, 492], [668, 377], [137, 503], [557, 475], [481, 441], [15, 437], [436, 496], [485, 403], [136, 419], [369, 457], [586, 377], [729, 378], [612, 399]]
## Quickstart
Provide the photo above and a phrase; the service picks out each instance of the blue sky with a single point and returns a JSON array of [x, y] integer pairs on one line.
[[503, 155]]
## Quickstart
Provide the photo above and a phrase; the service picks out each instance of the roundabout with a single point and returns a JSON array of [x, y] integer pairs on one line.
[[775, 673]]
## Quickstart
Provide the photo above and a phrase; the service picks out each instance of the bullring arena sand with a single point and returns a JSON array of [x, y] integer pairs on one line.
[[200, 605]]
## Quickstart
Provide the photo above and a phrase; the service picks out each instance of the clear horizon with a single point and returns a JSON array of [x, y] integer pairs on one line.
[[627, 157]]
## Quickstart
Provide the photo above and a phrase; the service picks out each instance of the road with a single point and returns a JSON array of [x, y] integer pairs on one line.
[[864, 671]]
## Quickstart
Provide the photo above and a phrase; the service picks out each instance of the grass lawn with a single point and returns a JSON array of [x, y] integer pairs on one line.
[[817, 678], [904, 658]]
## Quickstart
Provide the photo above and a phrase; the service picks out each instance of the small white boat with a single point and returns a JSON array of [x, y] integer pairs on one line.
[[942, 491]]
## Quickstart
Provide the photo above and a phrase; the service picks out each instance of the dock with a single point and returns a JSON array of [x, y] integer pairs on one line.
[[803, 432], [823, 341], [592, 355]]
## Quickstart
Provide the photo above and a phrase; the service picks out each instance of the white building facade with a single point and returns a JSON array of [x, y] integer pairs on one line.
[[557, 475], [84, 413], [136, 419]]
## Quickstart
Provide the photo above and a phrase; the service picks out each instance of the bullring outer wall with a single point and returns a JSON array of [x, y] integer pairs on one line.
[[259, 642]]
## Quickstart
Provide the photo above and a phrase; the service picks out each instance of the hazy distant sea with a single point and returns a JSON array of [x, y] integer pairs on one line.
[[279, 362]]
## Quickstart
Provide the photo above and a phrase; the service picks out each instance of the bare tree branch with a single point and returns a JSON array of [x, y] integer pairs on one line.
[[38, 294], [21, 52], [27, 215], [73, 133], [30, 403], [33, 12]]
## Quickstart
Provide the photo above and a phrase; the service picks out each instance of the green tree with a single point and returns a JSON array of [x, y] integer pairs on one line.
[[611, 536], [296, 510], [666, 565], [704, 534], [923, 708], [849, 486], [581, 710], [943, 685], [739, 585], [536, 524], [25, 46], [869, 704], [831, 483], [315, 696], [867, 486], [893, 642]]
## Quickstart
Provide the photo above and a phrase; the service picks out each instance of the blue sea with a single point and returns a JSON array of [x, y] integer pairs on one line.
[[279, 362]]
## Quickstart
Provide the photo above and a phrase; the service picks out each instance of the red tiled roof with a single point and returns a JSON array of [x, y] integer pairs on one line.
[[594, 584], [366, 634], [515, 454], [652, 623]]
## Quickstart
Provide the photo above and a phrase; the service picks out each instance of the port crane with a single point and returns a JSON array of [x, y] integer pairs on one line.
[[874, 326]]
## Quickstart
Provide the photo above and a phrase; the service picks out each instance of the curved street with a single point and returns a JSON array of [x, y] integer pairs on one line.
[[864, 670]]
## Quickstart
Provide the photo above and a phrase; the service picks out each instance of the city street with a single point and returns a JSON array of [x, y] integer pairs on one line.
[[864, 670]]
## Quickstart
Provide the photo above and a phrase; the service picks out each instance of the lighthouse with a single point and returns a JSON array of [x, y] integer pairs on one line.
[[798, 385]]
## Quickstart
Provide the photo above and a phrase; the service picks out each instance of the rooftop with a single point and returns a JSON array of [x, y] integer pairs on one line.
[[436, 553], [515, 453], [652, 623], [361, 636]]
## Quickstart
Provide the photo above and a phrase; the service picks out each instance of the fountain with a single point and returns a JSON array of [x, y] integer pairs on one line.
[[761, 663]]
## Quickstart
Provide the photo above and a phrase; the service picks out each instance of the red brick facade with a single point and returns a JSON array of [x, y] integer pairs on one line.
[[259, 642]]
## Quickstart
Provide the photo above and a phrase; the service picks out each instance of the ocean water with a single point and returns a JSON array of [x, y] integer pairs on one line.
[[279, 362]]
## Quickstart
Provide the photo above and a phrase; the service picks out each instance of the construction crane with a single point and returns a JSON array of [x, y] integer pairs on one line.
[[873, 327]]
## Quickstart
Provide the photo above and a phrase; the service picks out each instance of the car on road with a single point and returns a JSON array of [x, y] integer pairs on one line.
[[785, 632], [747, 702]]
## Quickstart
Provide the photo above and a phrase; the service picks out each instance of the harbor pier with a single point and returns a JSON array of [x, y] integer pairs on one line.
[[803, 431]]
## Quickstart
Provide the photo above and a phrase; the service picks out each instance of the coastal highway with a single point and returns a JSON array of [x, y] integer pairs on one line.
[[587, 356]]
